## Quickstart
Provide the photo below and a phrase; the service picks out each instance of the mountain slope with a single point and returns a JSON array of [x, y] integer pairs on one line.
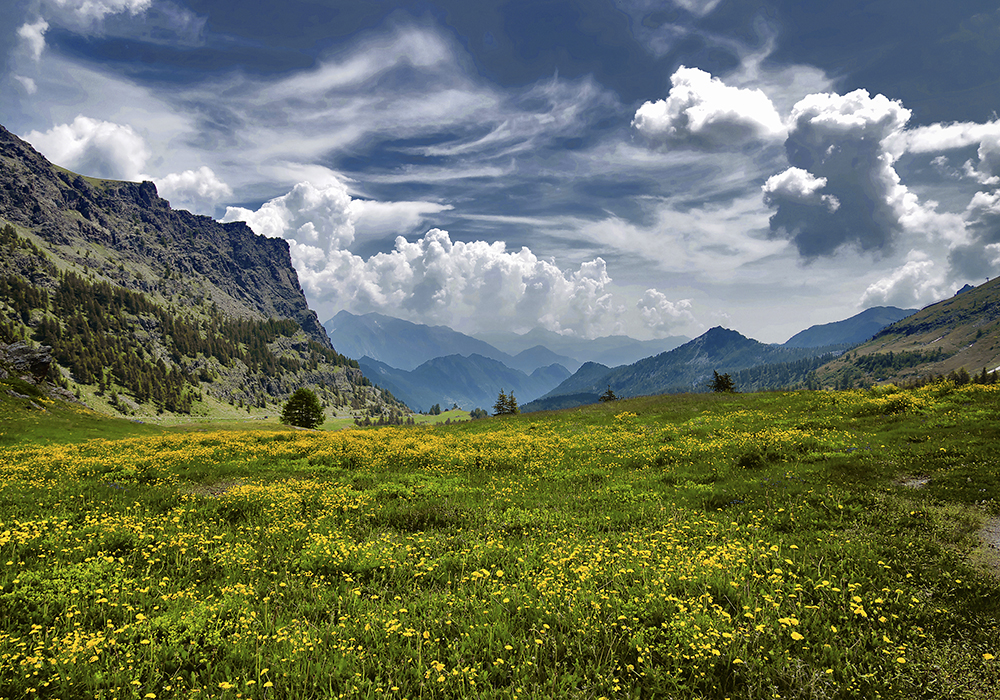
[[403, 344], [471, 382], [851, 331], [960, 332], [687, 368], [148, 309]]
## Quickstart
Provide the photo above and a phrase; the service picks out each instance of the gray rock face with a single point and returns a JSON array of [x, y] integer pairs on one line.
[[120, 229], [28, 363]]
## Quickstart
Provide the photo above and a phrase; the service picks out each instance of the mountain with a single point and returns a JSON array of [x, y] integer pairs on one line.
[[851, 331], [540, 356], [471, 382], [151, 309], [403, 344], [686, 368], [609, 350], [960, 332]]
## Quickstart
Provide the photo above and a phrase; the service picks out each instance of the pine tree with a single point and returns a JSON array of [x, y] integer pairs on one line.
[[500, 408], [302, 410], [722, 383]]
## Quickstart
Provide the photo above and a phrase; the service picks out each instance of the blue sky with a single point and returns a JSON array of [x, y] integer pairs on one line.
[[589, 166]]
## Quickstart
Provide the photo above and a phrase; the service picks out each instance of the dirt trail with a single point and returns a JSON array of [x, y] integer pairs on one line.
[[988, 553]]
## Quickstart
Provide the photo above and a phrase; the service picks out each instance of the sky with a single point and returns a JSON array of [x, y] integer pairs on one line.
[[591, 167]]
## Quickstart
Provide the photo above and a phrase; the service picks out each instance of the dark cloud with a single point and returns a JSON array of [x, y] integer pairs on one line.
[[979, 256], [841, 189]]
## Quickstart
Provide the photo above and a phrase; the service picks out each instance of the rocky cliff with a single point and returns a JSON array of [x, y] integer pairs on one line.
[[125, 232], [156, 307]]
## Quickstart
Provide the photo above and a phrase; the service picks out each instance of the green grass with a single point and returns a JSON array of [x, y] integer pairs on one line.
[[741, 546]]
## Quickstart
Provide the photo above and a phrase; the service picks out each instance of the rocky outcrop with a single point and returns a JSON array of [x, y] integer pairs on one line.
[[25, 362], [126, 232]]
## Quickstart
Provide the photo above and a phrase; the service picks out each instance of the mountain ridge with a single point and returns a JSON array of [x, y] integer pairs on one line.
[[683, 369], [472, 381], [856, 329]]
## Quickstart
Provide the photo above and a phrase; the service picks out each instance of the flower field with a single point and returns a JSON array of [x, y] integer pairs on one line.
[[743, 546]]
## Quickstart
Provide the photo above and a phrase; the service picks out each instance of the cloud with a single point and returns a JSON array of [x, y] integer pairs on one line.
[[197, 190], [839, 145], [33, 37], [915, 284], [374, 218], [661, 315], [89, 11], [798, 186], [95, 148], [29, 84], [703, 112], [472, 285], [698, 7], [318, 217], [976, 256]]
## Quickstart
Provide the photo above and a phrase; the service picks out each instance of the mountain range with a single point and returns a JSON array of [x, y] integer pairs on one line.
[[472, 381], [151, 309], [962, 332], [686, 368], [405, 345]]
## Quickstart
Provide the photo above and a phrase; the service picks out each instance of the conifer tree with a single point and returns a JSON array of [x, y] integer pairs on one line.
[[303, 410], [501, 406]]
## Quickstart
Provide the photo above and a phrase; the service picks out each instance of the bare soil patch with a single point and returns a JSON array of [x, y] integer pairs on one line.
[[988, 553]]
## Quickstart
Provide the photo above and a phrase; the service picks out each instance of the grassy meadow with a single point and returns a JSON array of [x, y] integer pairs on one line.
[[779, 545]]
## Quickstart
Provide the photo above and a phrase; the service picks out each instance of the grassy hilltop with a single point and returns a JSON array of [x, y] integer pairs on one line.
[[792, 545]]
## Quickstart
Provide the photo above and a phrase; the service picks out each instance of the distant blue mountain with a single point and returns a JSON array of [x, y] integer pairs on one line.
[[610, 350], [685, 369], [471, 382], [851, 331], [402, 344]]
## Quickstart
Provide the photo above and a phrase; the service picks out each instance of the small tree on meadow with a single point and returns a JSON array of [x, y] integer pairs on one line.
[[722, 383], [506, 405], [500, 407], [608, 395], [303, 410]]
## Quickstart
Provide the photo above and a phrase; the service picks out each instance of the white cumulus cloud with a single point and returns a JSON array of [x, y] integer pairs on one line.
[[472, 285], [663, 316], [320, 217], [703, 112], [798, 185], [846, 142], [197, 190], [95, 148], [916, 283]]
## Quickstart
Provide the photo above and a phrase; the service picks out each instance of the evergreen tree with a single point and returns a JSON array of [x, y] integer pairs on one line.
[[303, 410], [506, 405], [609, 395], [722, 383], [500, 407]]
